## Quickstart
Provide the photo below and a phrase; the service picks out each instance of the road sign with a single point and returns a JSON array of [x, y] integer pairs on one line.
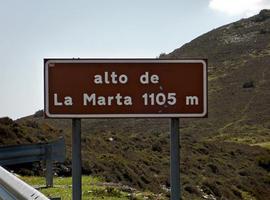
[[90, 88]]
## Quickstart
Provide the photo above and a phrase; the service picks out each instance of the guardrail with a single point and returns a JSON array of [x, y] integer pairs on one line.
[[12, 188], [48, 152]]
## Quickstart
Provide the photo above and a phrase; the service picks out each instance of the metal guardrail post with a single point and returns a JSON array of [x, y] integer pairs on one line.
[[27, 153], [49, 166]]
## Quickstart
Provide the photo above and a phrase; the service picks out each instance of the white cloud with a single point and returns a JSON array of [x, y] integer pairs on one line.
[[239, 7]]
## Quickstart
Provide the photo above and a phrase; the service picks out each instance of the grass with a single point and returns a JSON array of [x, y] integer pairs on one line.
[[264, 145], [92, 188], [247, 196], [240, 132]]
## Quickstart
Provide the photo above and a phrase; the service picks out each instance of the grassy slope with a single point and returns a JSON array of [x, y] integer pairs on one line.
[[92, 188], [238, 54]]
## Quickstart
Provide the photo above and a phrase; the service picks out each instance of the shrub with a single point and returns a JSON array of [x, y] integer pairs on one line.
[[157, 147], [263, 31], [39, 113], [6, 121], [192, 190], [211, 188], [249, 84], [113, 192], [264, 162]]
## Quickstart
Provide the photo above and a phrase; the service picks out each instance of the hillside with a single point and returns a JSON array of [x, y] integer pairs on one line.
[[239, 79], [223, 156], [14, 133]]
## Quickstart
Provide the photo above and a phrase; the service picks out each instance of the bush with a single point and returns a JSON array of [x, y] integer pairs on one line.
[[263, 31], [192, 190], [31, 124], [211, 188], [264, 162], [157, 147], [6, 121], [162, 55], [39, 113], [249, 84], [113, 192]]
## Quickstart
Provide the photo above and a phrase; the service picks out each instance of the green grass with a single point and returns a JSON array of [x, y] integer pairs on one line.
[[92, 188]]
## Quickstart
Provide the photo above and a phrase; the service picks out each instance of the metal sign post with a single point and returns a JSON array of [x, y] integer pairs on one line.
[[125, 88], [175, 160], [76, 160]]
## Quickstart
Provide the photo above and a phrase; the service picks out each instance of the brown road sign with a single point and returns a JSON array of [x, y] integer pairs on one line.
[[90, 88]]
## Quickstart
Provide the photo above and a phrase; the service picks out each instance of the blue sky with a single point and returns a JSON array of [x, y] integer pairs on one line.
[[31, 30]]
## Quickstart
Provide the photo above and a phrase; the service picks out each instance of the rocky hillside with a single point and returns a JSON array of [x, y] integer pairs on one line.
[[225, 156]]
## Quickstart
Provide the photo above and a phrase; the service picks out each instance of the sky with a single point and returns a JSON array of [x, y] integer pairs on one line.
[[32, 30]]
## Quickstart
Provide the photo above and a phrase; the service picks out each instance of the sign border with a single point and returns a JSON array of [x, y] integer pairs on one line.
[[48, 61]]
